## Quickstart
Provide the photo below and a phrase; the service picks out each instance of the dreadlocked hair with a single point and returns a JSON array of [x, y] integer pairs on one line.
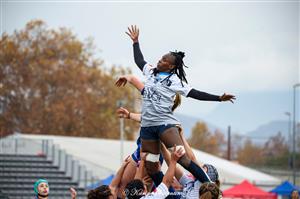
[[179, 64], [102, 192], [209, 190]]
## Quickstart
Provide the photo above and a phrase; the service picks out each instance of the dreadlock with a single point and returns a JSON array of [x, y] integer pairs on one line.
[[178, 69]]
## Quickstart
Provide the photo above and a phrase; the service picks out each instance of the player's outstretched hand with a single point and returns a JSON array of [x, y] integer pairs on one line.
[[227, 97], [133, 33]]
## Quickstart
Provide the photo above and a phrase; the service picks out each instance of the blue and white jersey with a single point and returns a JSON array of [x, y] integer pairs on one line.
[[191, 187], [160, 192], [158, 97]]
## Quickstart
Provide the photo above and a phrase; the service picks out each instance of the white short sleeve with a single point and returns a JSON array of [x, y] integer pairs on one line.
[[185, 179], [147, 69], [180, 87], [161, 192]]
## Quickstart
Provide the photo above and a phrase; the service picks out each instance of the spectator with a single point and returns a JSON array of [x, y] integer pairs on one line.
[[41, 189], [295, 194]]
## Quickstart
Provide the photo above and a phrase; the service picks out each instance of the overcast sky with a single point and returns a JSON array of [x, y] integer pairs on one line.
[[231, 46]]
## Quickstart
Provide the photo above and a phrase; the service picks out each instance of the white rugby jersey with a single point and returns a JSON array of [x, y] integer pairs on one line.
[[158, 97], [160, 192], [191, 187]]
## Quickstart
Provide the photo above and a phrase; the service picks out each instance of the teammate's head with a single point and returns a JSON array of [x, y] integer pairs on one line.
[[134, 189], [41, 188], [209, 190], [212, 172], [102, 192]]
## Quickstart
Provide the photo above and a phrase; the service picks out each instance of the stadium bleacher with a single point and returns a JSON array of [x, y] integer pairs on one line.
[[19, 172]]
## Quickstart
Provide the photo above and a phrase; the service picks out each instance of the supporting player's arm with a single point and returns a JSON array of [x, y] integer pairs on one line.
[[124, 113], [117, 179], [132, 80]]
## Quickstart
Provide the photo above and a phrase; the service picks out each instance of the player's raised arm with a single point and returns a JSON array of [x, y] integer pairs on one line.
[[133, 33]]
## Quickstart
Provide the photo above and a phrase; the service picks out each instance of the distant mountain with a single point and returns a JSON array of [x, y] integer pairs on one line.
[[262, 133], [253, 109], [258, 136]]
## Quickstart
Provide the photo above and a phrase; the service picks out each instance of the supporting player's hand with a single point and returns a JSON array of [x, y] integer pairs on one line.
[[123, 113], [73, 193], [126, 161], [227, 97], [121, 81], [177, 153], [133, 33], [147, 180]]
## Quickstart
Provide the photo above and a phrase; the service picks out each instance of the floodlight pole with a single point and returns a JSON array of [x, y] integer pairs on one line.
[[294, 133], [119, 104]]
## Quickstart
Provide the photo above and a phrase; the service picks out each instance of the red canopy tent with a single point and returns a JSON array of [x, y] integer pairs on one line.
[[247, 190]]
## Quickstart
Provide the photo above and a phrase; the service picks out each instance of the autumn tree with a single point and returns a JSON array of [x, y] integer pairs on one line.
[[250, 154], [52, 83], [205, 140], [276, 152], [273, 154], [236, 144]]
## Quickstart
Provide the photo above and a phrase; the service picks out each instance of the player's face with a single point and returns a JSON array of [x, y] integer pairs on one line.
[[165, 64], [43, 189]]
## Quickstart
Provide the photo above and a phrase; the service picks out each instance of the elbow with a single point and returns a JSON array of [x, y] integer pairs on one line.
[[193, 158], [140, 63]]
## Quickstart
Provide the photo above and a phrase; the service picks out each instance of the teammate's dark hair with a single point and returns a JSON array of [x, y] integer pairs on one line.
[[134, 189], [209, 190], [102, 192]]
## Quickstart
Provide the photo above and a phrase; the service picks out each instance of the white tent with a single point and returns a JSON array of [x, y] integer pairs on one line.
[[104, 155]]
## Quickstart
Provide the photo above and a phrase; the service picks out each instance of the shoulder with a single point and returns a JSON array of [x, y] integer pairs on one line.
[[179, 86], [186, 179], [147, 69], [176, 81]]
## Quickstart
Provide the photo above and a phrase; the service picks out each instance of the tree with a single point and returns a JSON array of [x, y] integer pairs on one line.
[[204, 140], [275, 146], [250, 154], [276, 152], [51, 83], [236, 145]]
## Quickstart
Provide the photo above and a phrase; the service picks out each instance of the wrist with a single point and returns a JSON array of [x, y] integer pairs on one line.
[[128, 115], [129, 78]]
